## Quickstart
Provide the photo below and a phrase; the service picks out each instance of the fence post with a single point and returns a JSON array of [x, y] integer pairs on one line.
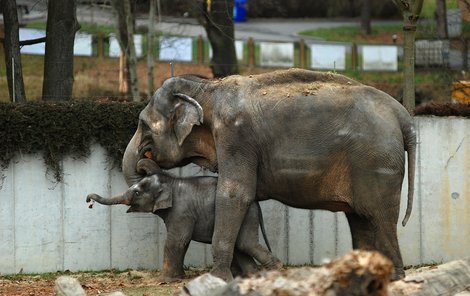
[[2, 53], [251, 52], [100, 45], [465, 55], [354, 56], [302, 53], [123, 87], [200, 50]]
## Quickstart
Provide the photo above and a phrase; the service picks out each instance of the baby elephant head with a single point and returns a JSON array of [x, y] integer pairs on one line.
[[148, 195]]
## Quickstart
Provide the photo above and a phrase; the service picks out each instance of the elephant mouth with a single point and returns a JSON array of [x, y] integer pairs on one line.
[[146, 151]]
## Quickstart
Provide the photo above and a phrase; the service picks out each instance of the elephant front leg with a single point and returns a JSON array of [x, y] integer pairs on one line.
[[173, 257], [234, 196]]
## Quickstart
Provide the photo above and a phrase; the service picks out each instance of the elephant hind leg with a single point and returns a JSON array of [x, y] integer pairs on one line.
[[243, 264], [362, 232], [387, 243], [248, 243], [379, 235]]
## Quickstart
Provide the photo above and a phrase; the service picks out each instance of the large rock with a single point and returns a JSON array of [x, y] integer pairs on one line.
[[68, 286]]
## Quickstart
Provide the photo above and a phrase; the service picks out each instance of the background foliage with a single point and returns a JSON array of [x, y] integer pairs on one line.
[[62, 129]]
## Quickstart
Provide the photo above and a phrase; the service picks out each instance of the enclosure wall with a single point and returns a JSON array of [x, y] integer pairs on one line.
[[47, 226]]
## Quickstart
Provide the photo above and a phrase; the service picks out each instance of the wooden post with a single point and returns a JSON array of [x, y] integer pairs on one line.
[[465, 54], [122, 74], [251, 52], [302, 53], [100, 45], [200, 50], [2, 52], [354, 56]]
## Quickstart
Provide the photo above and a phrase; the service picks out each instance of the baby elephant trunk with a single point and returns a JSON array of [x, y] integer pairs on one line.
[[115, 200]]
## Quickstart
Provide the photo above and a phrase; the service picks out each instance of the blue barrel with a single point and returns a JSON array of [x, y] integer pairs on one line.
[[239, 11]]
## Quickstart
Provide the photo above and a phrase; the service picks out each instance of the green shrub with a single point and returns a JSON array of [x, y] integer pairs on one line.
[[59, 129]]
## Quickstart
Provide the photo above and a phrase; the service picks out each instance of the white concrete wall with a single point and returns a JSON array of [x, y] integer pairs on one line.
[[47, 226]]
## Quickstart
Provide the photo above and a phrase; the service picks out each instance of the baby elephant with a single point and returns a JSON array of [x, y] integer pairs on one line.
[[187, 206]]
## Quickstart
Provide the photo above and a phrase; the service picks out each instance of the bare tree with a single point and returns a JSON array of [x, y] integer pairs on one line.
[[150, 48], [11, 45], [125, 25], [217, 18], [61, 27], [410, 10], [441, 19], [365, 17]]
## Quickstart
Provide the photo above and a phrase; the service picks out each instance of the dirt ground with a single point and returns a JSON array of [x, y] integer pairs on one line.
[[131, 282]]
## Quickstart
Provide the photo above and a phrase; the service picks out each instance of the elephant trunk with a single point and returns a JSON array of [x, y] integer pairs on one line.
[[115, 200], [148, 167], [130, 159]]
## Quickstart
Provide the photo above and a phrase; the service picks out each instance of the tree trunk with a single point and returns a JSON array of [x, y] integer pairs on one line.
[[218, 21], [410, 10], [150, 48], [365, 17], [356, 273], [11, 46], [125, 25], [61, 27], [446, 279], [130, 54], [441, 19]]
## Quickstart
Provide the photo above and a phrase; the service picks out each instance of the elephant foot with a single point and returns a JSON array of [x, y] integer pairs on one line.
[[398, 274], [223, 273], [170, 277], [275, 265]]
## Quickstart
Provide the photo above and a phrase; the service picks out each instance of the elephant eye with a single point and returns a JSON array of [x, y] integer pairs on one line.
[[136, 193]]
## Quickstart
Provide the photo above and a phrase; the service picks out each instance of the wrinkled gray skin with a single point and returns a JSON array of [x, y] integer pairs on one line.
[[308, 139], [187, 206]]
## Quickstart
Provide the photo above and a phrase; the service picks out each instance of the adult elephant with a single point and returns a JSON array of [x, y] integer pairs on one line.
[[308, 139]]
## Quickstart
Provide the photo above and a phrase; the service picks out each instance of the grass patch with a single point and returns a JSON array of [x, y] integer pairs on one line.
[[426, 29], [429, 7], [91, 28], [351, 33]]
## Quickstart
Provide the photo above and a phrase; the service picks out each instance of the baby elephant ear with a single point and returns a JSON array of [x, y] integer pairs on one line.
[[187, 113], [164, 199]]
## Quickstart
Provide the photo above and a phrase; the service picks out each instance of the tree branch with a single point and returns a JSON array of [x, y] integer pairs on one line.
[[28, 42]]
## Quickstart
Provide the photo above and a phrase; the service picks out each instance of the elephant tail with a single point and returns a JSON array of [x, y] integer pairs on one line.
[[410, 147], [261, 224]]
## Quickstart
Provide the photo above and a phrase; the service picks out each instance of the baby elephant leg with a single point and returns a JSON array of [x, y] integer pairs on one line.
[[243, 264], [248, 240], [176, 245]]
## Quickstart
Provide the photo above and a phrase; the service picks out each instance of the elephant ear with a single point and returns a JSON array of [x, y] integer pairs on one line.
[[164, 199], [187, 113]]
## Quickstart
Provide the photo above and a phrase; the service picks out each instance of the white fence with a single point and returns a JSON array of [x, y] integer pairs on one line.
[[45, 226]]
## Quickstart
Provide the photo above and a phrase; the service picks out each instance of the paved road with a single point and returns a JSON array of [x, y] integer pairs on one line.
[[259, 29]]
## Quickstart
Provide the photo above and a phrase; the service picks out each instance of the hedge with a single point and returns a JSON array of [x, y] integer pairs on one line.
[[62, 129]]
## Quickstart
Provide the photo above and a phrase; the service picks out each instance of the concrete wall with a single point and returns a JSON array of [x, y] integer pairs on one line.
[[47, 226]]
